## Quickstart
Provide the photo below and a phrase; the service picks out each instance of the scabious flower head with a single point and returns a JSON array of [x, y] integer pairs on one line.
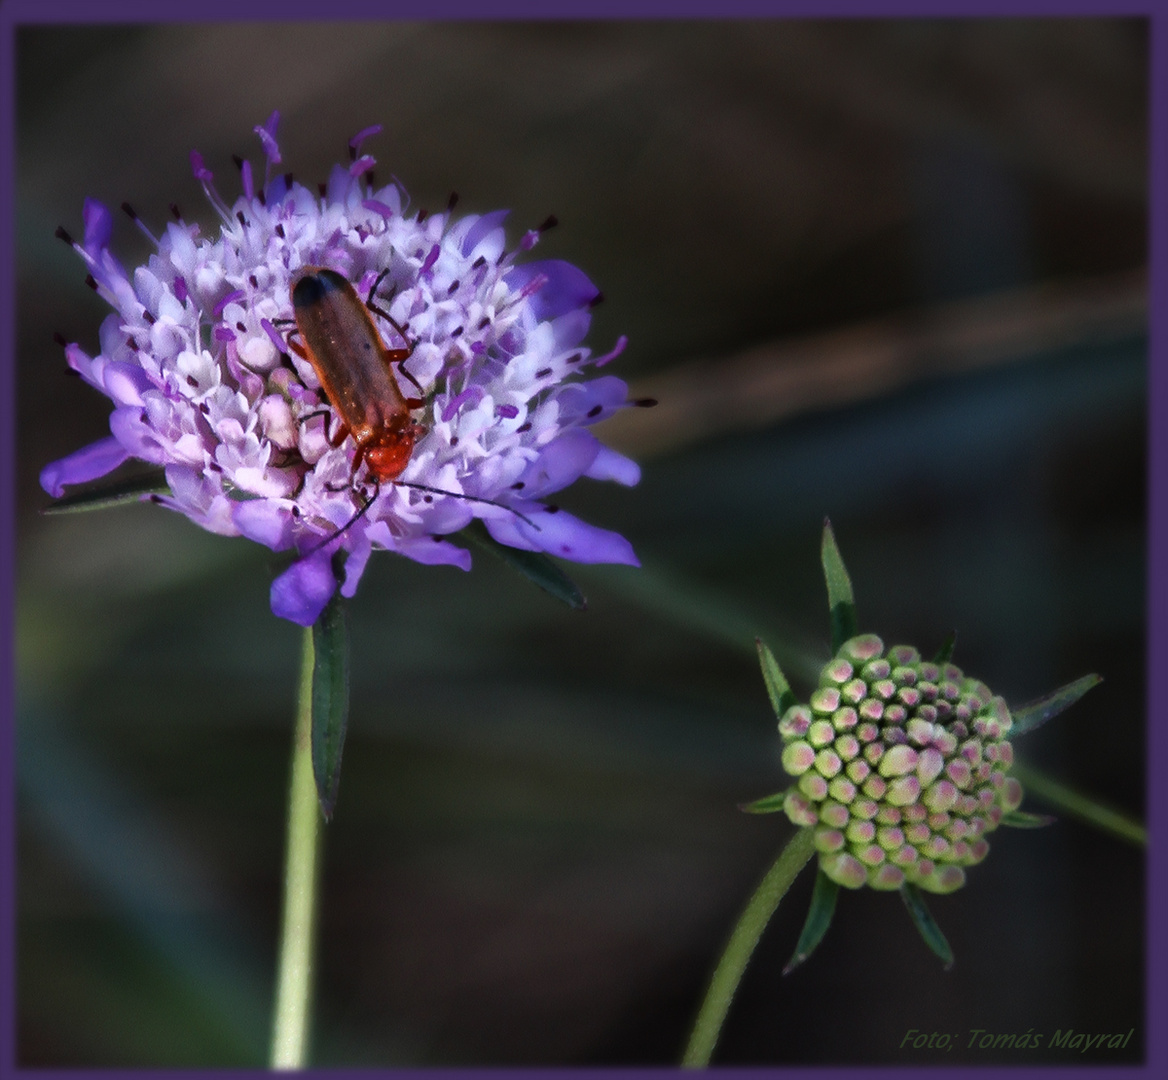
[[902, 768], [204, 382]]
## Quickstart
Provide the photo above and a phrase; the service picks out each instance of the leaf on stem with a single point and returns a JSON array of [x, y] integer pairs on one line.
[[1036, 713], [1019, 819], [106, 495], [533, 565], [945, 653], [819, 917], [768, 804], [330, 701], [926, 924], [778, 689], [840, 599]]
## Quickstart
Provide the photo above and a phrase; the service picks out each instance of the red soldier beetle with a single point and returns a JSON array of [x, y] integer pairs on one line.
[[354, 366]]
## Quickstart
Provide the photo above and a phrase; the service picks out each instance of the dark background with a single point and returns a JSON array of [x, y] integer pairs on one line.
[[886, 271]]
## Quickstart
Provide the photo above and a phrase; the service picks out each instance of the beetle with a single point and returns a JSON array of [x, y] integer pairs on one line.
[[354, 366]]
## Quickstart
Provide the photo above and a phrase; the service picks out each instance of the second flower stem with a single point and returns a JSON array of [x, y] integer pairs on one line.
[[292, 1021], [736, 955]]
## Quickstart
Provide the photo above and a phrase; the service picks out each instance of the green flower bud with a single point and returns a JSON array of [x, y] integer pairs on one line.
[[901, 764]]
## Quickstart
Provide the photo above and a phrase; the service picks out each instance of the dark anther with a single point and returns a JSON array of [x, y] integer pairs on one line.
[[575, 358], [454, 440], [645, 402], [61, 234], [519, 485], [150, 318], [132, 344], [551, 508], [204, 408], [596, 410], [453, 287], [192, 381], [128, 210], [486, 321], [456, 332], [422, 215], [543, 373], [279, 231], [238, 161], [295, 510], [60, 340], [452, 202], [524, 427], [551, 222], [214, 466], [261, 198], [478, 262], [240, 218], [253, 281], [241, 327], [176, 211], [155, 497], [597, 299], [89, 280]]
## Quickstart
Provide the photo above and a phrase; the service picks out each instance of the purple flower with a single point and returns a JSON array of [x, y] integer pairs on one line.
[[204, 383]]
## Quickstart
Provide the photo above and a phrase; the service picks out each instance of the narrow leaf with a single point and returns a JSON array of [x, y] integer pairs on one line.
[[819, 917], [533, 565], [840, 600], [925, 924], [945, 653], [330, 701], [1019, 819], [1036, 713], [768, 804], [778, 689], [107, 495]]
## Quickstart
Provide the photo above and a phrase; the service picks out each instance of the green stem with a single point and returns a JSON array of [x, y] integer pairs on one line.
[[1084, 808], [290, 1025], [751, 923]]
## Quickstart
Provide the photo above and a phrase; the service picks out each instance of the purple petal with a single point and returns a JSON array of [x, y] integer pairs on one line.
[[571, 328], [564, 460], [430, 551], [300, 593], [134, 432], [126, 383], [89, 463], [609, 465], [566, 288], [265, 522], [481, 229], [563, 535]]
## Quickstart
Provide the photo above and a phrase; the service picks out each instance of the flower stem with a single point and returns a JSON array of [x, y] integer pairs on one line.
[[290, 1025], [735, 957]]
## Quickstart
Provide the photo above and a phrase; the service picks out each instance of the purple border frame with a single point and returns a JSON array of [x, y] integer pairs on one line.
[[47, 12]]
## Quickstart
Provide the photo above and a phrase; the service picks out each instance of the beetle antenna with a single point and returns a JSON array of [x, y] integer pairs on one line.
[[469, 498]]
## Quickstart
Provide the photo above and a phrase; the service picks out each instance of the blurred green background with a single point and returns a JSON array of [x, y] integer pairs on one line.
[[887, 271]]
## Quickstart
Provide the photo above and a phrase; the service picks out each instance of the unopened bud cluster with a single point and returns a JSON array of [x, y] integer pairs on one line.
[[901, 767]]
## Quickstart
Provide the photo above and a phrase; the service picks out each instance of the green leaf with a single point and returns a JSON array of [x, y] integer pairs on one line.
[[1036, 713], [840, 600], [819, 917], [330, 701], [768, 804], [945, 653], [778, 689], [533, 565], [925, 924], [1019, 819], [124, 491]]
